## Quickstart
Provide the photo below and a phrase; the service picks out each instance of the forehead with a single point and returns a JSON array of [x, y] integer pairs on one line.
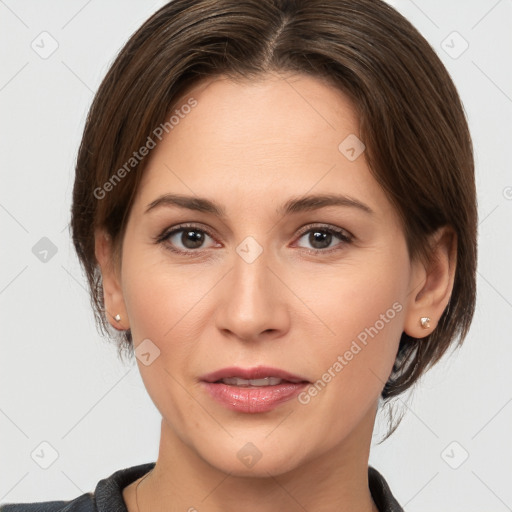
[[251, 110], [275, 136]]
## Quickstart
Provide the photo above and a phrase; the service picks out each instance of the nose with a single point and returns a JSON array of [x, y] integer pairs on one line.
[[253, 304]]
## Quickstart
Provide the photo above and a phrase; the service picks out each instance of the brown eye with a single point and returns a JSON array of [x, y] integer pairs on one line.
[[320, 239], [191, 239], [323, 239], [185, 239]]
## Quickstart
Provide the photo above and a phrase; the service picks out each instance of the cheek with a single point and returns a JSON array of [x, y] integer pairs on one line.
[[364, 309], [352, 299], [162, 299], [171, 305], [362, 313], [164, 305]]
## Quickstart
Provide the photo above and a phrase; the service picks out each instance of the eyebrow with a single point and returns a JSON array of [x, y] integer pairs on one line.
[[292, 206]]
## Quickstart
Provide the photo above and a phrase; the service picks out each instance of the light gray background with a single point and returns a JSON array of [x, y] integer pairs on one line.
[[62, 384]]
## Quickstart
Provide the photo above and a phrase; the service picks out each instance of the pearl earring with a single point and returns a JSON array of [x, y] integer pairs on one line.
[[425, 322], [117, 318]]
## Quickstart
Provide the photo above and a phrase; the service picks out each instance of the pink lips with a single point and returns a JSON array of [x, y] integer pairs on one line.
[[252, 397]]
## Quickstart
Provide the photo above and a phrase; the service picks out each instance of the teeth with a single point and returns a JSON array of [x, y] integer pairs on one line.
[[266, 381]]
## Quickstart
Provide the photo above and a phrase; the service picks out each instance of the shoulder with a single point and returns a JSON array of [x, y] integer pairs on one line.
[[84, 503], [107, 496], [381, 493]]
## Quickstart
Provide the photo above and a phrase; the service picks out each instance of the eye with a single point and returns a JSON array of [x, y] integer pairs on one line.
[[191, 240], [185, 239], [321, 238]]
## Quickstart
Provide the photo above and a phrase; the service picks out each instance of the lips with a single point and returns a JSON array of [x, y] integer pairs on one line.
[[252, 390]]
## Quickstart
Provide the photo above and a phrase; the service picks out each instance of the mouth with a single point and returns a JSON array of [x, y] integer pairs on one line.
[[252, 390], [251, 383]]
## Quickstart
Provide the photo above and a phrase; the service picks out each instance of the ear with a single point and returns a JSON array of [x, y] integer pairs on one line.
[[432, 284], [112, 290]]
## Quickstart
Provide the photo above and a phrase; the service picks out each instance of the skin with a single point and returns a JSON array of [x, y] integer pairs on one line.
[[251, 147]]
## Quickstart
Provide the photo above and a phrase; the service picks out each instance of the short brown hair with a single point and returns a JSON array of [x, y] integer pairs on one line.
[[418, 145]]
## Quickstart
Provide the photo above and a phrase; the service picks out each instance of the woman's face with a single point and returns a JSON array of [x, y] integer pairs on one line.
[[314, 292]]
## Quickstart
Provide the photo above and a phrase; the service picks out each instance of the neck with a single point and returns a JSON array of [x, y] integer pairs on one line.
[[333, 481]]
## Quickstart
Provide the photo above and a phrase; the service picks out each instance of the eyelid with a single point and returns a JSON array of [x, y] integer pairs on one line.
[[326, 227]]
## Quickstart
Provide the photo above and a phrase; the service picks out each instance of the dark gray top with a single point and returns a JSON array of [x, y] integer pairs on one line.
[[108, 496]]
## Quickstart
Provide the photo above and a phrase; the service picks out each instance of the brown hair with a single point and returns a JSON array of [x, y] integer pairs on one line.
[[418, 145]]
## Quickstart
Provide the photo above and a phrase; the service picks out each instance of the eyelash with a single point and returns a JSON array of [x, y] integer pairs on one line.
[[344, 236]]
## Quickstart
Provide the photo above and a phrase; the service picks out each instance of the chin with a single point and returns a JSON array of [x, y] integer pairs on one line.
[[259, 458]]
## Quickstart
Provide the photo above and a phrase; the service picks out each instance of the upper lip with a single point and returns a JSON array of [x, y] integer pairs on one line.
[[259, 372]]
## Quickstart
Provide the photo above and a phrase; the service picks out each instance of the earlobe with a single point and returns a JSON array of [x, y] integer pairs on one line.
[[115, 308], [432, 284]]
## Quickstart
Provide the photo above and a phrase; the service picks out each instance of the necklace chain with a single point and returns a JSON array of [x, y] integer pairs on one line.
[[137, 490]]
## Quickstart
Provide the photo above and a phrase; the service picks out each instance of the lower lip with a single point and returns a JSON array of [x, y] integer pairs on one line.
[[253, 399]]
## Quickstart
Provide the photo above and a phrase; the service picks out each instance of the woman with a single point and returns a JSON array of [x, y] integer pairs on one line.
[[275, 208]]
